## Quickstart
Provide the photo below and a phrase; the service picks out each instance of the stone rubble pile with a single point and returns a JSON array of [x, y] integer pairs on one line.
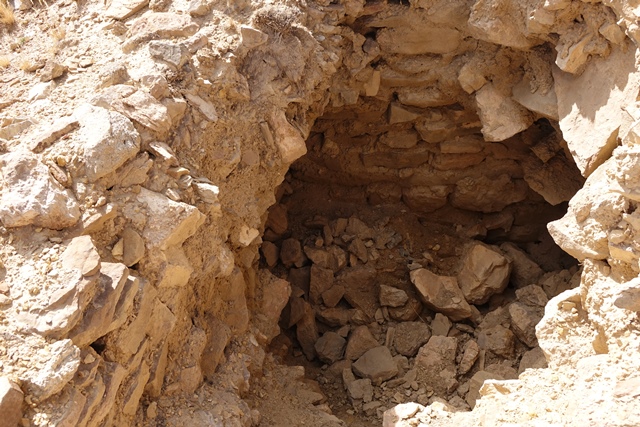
[[388, 330]]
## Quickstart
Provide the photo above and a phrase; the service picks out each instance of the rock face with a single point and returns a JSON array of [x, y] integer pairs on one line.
[[485, 272]]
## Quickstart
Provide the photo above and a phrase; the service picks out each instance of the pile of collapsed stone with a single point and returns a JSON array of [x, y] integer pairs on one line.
[[383, 343]]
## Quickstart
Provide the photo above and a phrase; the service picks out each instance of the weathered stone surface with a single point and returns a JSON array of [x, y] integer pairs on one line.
[[321, 281], [170, 223], [361, 389], [160, 26], [360, 341], [270, 252], [440, 325], [360, 288], [501, 116], [81, 254], [436, 364], [307, 332], [470, 354], [109, 140], [63, 359], [532, 295], [400, 139], [589, 106], [336, 316], [133, 247], [332, 296], [275, 295], [523, 322], [426, 199], [291, 253], [524, 271], [557, 180], [503, 28], [330, 347], [122, 9], [277, 219], [30, 195], [532, 359], [48, 136], [392, 297], [498, 340], [407, 312], [410, 336], [376, 364], [441, 293], [545, 104], [485, 272], [487, 194], [476, 383], [11, 398], [290, 143], [417, 41]]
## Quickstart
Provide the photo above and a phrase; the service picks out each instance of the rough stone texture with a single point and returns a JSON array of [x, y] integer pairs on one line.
[[376, 364], [392, 297], [410, 336], [360, 341], [485, 272], [436, 363], [11, 398], [524, 271], [330, 347], [441, 294]]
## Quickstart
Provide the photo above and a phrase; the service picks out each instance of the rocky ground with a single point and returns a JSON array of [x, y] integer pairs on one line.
[[199, 197]]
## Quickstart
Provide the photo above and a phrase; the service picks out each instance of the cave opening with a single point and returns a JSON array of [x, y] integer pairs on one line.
[[403, 226]]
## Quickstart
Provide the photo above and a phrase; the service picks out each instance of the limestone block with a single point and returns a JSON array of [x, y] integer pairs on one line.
[[360, 341], [158, 26], [589, 106], [572, 57], [307, 332], [485, 272], [205, 107], [11, 398], [330, 347], [252, 37], [109, 140], [398, 114], [410, 336], [133, 247], [275, 295], [360, 389], [470, 354], [291, 253], [332, 296], [400, 139], [532, 359], [523, 322], [171, 53], [277, 219], [337, 316], [485, 194], [427, 97], [501, 116], [436, 364], [81, 254], [392, 297], [441, 293], [418, 40], [270, 252], [62, 361], [49, 135], [476, 383], [557, 180], [499, 340], [545, 104], [504, 28], [218, 338], [101, 310], [440, 325], [169, 223], [532, 295], [376, 364], [288, 140], [30, 195], [426, 199], [122, 9], [360, 288], [524, 270]]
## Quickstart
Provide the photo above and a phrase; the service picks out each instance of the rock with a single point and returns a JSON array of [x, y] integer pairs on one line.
[[524, 271], [532, 295], [158, 26], [441, 293], [52, 133], [330, 347], [476, 383], [336, 317], [410, 336], [205, 107], [81, 254], [321, 280], [122, 9], [398, 114], [169, 223], [361, 389], [109, 140], [470, 354], [589, 106], [500, 115], [499, 340], [62, 361], [275, 295], [523, 322], [29, 195], [100, 312], [360, 288], [392, 297], [290, 143], [291, 253], [252, 37], [436, 364], [300, 278], [406, 411], [440, 325], [357, 248], [307, 332], [277, 219], [11, 398], [270, 252], [408, 312], [360, 341], [557, 180], [376, 364], [532, 359], [545, 104], [503, 28], [133, 247], [332, 296], [172, 53], [485, 272], [418, 39], [52, 70], [486, 194], [400, 139], [426, 199]]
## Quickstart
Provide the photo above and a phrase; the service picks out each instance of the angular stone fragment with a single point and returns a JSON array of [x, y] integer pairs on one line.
[[11, 398], [158, 26], [291, 253], [321, 281], [330, 347], [360, 289], [476, 383], [275, 295], [470, 354], [545, 104], [501, 116], [361, 389], [122, 9], [498, 340], [332, 296], [81, 254], [170, 223], [288, 140], [440, 325], [360, 341], [410, 336], [532, 295], [277, 219], [48, 136], [485, 272], [436, 364], [376, 364], [532, 359], [392, 297], [270, 252], [252, 37], [426, 199], [488, 194], [109, 140], [407, 312], [133, 247], [307, 332], [62, 361], [417, 41], [441, 293], [523, 322], [29, 195], [335, 316]]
